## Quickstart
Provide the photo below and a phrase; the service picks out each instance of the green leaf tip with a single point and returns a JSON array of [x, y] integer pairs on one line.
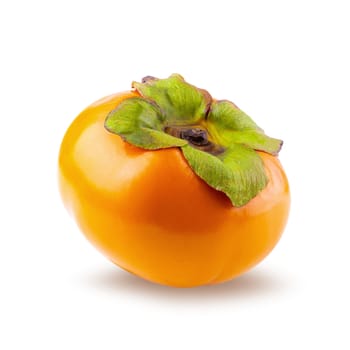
[[218, 140]]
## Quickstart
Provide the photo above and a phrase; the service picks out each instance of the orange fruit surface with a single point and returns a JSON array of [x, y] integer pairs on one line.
[[149, 213]]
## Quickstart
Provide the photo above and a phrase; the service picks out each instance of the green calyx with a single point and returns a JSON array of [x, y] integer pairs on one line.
[[218, 140]]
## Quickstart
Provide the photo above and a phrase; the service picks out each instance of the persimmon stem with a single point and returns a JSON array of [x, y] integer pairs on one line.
[[197, 137]]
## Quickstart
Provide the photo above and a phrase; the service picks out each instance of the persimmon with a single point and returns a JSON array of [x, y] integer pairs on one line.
[[172, 185]]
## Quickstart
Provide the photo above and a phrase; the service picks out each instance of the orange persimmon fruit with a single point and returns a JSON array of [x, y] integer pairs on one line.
[[158, 210]]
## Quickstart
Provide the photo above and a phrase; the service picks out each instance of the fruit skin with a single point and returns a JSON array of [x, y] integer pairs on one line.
[[150, 214]]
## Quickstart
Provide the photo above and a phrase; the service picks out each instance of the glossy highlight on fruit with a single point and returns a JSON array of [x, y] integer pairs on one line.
[[151, 211]]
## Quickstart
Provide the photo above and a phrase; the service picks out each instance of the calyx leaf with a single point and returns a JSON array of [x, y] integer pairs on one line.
[[228, 125], [238, 172], [218, 140], [140, 122], [182, 103]]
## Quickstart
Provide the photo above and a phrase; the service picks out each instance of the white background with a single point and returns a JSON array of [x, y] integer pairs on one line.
[[286, 63]]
